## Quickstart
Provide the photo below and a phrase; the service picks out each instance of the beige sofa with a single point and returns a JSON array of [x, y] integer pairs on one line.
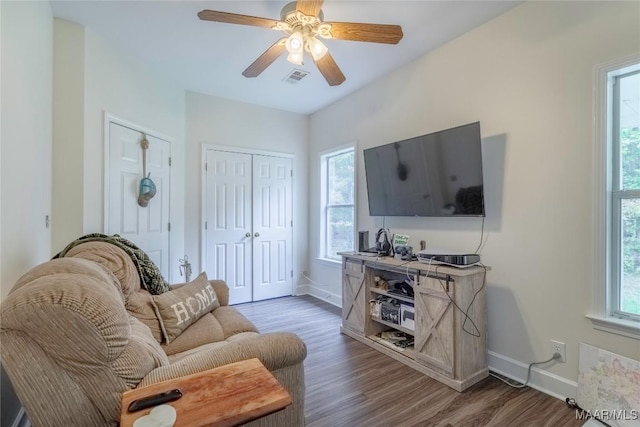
[[78, 331]]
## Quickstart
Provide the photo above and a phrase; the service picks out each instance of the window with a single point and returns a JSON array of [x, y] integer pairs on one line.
[[617, 297], [338, 202], [625, 195]]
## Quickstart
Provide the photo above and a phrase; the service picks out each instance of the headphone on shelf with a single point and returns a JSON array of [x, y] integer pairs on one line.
[[383, 246]]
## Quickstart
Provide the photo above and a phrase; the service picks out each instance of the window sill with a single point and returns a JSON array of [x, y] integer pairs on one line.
[[622, 327], [330, 262]]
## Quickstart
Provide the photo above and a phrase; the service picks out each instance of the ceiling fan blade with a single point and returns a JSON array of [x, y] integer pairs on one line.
[[375, 33], [309, 7], [330, 70], [266, 59], [234, 18]]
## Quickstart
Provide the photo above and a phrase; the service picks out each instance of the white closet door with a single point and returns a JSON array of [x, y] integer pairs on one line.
[[228, 231], [272, 227], [147, 227], [248, 233]]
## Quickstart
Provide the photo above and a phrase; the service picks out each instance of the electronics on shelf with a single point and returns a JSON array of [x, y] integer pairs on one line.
[[447, 256]]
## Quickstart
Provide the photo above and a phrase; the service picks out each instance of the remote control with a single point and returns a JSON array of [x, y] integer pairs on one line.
[[156, 399]]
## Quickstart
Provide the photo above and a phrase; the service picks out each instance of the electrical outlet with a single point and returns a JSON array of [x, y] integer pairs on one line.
[[560, 348]]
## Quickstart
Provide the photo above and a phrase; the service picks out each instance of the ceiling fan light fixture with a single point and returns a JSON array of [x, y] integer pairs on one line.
[[302, 22], [295, 58], [295, 43], [316, 48]]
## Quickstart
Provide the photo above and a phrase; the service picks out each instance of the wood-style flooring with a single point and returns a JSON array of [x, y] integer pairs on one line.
[[350, 384]]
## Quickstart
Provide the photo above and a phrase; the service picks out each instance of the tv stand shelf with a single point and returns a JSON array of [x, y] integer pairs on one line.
[[393, 325], [391, 295], [449, 315]]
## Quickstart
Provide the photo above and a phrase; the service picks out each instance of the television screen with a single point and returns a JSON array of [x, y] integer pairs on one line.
[[438, 174]]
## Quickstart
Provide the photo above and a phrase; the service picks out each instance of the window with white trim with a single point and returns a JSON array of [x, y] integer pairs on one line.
[[624, 236], [337, 177], [617, 297]]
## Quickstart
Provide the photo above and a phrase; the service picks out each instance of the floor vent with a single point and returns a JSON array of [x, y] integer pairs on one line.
[[295, 76]]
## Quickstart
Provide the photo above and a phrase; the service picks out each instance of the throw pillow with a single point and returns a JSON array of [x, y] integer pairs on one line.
[[179, 308]]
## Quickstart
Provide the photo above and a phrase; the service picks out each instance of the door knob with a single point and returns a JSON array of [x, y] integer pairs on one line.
[[257, 234], [247, 234]]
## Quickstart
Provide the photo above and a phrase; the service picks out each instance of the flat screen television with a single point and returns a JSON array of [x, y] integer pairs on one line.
[[433, 175]]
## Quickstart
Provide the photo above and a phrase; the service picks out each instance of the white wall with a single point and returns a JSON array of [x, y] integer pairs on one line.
[[119, 84], [528, 77], [26, 47], [68, 132], [27, 52], [219, 121]]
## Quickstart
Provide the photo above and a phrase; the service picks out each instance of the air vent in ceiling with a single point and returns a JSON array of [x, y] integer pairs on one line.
[[295, 76]]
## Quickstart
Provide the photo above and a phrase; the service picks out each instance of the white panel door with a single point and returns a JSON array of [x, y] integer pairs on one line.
[[248, 224], [272, 227], [228, 232], [147, 227]]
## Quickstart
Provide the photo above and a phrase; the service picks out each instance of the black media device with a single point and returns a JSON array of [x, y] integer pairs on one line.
[[433, 175], [363, 241]]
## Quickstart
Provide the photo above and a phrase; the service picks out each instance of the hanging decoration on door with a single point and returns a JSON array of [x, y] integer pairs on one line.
[[185, 268], [147, 186]]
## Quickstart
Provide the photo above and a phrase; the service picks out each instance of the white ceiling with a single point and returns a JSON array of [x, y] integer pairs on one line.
[[209, 57]]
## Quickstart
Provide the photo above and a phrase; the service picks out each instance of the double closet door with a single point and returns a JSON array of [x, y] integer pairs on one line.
[[248, 224]]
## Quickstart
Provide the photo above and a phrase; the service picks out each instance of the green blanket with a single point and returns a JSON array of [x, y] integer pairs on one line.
[[150, 275]]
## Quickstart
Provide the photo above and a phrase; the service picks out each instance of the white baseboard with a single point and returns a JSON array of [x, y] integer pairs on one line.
[[546, 382], [318, 292]]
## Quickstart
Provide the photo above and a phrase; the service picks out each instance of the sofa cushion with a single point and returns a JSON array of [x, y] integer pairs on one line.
[[179, 308], [114, 259], [205, 331], [232, 321], [140, 304]]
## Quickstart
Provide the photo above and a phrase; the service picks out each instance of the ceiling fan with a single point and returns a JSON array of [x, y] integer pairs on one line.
[[303, 21]]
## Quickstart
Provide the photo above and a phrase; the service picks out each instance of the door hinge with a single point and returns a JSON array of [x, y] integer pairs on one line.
[[291, 172], [292, 223], [206, 166], [291, 273], [169, 226], [169, 161], [205, 225]]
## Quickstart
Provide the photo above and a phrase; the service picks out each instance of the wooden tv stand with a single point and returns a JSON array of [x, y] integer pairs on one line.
[[448, 346]]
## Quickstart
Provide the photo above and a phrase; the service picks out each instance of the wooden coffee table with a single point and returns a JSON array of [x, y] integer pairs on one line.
[[226, 396]]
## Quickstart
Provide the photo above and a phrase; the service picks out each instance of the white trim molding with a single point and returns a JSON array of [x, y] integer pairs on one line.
[[322, 294], [626, 328]]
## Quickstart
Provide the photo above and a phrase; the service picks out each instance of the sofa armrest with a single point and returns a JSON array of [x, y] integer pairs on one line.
[[275, 350]]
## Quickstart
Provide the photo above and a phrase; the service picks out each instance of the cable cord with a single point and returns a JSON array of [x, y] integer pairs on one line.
[[481, 237], [555, 356], [476, 331]]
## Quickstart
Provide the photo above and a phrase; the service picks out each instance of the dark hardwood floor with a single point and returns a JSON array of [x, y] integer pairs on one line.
[[350, 384]]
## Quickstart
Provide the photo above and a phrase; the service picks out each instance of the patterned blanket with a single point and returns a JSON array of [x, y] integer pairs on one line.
[[150, 275]]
